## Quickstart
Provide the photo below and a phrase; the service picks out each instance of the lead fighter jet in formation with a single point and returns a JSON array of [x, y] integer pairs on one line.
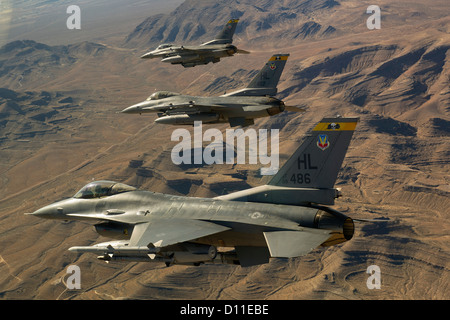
[[191, 56], [238, 108], [288, 217]]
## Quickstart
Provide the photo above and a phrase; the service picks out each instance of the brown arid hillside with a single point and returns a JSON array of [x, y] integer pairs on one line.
[[60, 129]]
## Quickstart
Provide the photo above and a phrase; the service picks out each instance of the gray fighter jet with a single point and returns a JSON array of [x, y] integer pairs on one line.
[[288, 217], [191, 56], [239, 108]]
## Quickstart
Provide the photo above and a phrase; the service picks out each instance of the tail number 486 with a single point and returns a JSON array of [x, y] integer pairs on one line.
[[301, 178]]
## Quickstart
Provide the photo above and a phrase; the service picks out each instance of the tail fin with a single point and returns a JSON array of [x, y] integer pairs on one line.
[[316, 163], [226, 35], [311, 172], [266, 81]]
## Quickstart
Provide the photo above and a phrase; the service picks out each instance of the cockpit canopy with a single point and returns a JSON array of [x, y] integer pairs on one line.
[[164, 46], [161, 95], [100, 189]]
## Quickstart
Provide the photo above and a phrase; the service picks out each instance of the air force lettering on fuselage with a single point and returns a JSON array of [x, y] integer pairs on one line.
[[285, 218]]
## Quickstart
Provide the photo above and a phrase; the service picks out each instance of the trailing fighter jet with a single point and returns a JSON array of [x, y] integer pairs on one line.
[[239, 108], [191, 56], [288, 217]]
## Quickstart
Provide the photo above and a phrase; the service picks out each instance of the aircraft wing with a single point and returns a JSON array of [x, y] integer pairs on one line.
[[110, 215], [165, 233]]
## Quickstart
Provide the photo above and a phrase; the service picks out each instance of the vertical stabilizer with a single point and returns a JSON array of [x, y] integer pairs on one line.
[[311, 172], [226, 35], [266, 81], [316, 163]]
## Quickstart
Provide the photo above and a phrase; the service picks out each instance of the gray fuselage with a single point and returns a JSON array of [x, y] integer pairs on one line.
[[247, 221]]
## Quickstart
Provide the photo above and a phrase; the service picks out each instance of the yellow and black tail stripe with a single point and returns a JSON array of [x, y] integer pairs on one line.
[[233, 21], [278, 57], [336, 125]]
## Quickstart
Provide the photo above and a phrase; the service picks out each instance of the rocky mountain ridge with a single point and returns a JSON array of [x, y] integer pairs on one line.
[[194, 22]]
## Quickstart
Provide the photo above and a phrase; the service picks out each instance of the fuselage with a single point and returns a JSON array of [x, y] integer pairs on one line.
[[191, 54], [247, 221], [223, 106]]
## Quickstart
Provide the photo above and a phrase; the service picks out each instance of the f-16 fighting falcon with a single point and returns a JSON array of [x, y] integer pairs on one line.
[[191, 56], [288, 217], [239, 108]]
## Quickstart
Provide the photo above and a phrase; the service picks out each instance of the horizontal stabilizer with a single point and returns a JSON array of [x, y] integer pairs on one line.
[[290, 244]]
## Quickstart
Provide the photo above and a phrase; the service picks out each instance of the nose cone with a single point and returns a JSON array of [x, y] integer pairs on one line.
[[141, 107], [148, 55], [132, 110], [136, 108], [53, 211]]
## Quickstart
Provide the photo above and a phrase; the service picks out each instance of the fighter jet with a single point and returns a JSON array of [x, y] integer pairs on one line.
[[191, 56], [288, 217], [239, 108]]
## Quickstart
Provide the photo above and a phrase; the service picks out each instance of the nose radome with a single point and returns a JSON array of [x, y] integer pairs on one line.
[[45, 211], [131, 109], [137, 108], [148, 55], [48, 212]]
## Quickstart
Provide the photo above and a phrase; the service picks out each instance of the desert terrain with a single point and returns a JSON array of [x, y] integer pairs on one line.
[[60, 129]]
